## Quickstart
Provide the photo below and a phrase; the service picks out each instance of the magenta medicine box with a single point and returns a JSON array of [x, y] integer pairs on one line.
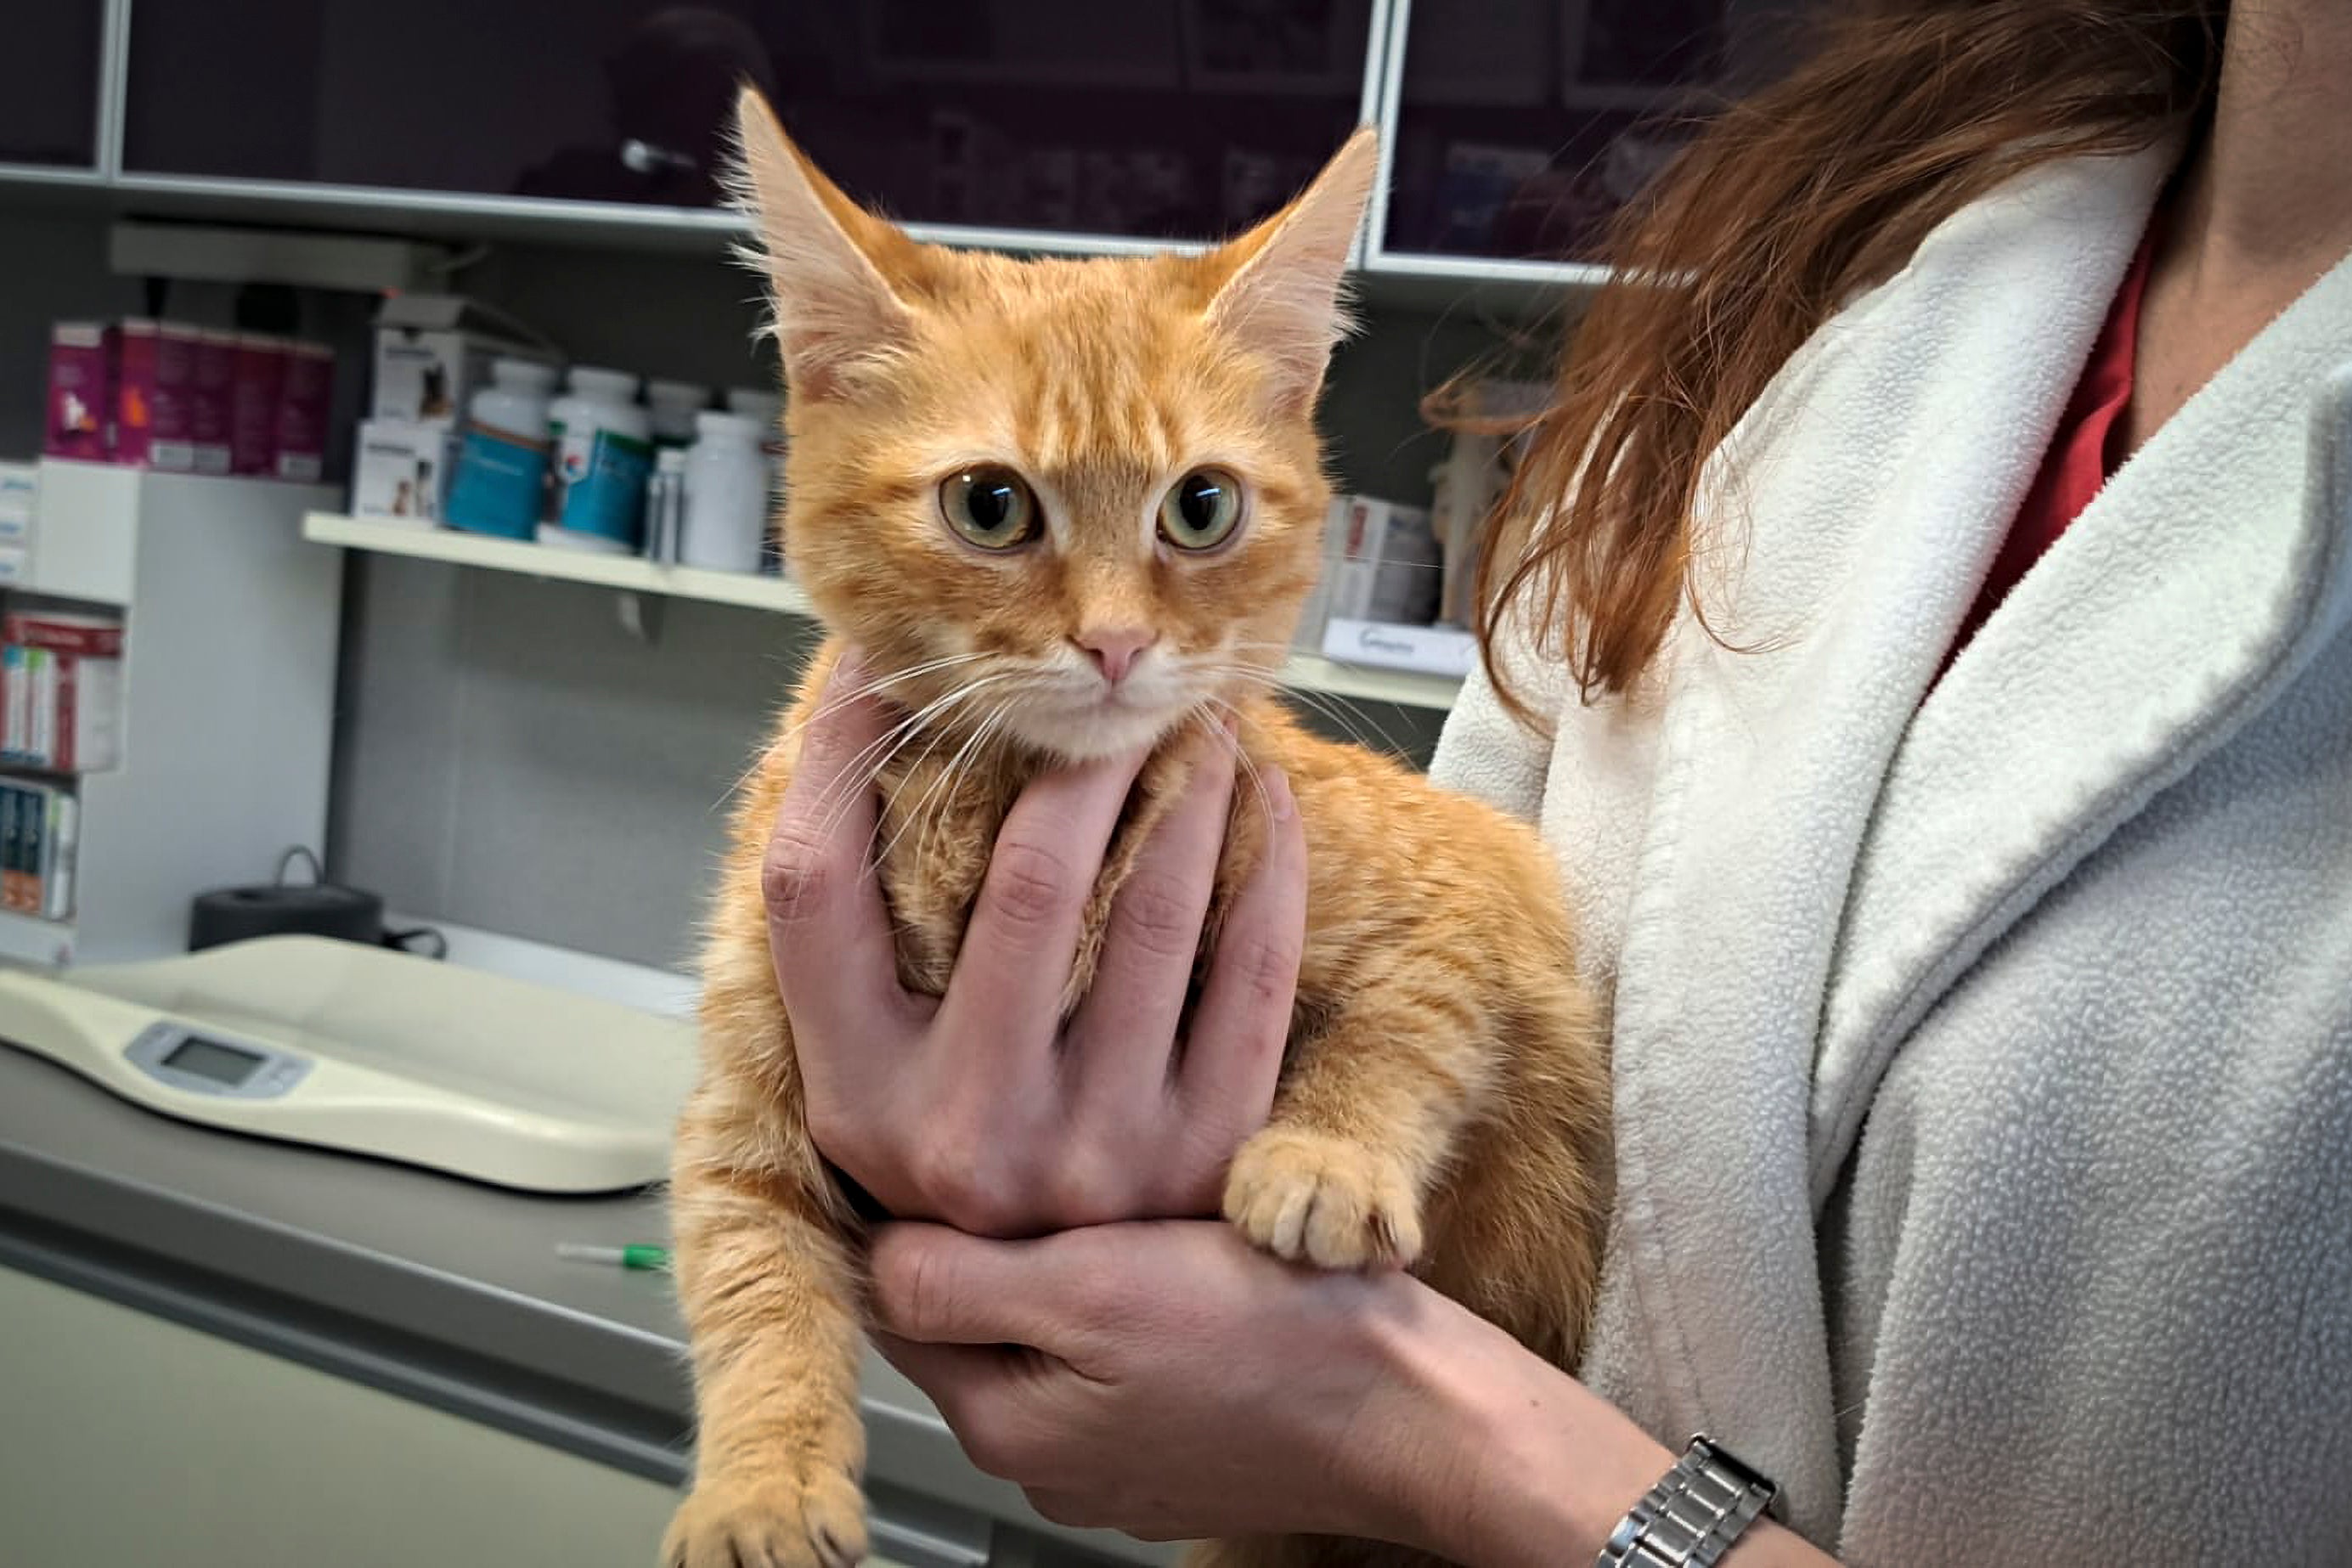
[[209, 407], [155, 395], [258, 377], [302, 403], [81, 391]]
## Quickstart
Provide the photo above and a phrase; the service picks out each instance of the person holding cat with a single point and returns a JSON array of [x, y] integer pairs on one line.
[[1924, 635]]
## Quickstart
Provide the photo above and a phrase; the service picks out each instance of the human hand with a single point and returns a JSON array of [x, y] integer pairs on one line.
[[1170, 1380], [981, 1108]]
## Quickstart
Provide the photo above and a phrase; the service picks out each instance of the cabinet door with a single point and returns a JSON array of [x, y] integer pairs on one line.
[[131, 1440], [1146, 118], [48, 108], [1522, 126]]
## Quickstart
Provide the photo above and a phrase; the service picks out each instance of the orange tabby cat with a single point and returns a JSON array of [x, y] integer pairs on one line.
[[1101, 480]]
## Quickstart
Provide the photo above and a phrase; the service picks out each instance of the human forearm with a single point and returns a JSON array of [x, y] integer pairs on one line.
[[1551, 1467], [1178, 1384]]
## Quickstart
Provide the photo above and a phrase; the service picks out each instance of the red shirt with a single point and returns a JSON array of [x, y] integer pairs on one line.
[[2084, 452]]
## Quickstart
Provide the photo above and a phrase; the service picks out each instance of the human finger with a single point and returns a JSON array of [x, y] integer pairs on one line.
[[936, 1285], [1125, 1029], [1006, 992], [829, 935], [1233, 1055]]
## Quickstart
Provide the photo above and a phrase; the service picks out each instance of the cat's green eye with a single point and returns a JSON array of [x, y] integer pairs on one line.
[[1201, 509], [991, 507]]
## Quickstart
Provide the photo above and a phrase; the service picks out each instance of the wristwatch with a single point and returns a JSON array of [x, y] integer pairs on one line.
[[1690, 1518]]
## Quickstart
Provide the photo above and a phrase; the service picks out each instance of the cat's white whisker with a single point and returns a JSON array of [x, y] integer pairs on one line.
[[917, 818], [948, 774], [878, 755], [946, 661], [1207, 709], [910, 817], [787, 734], [878, 683], [1353, 721], [895, 740], [879, 855]]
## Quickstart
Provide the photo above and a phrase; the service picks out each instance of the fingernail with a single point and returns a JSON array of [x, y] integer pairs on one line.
[[1278, 798]]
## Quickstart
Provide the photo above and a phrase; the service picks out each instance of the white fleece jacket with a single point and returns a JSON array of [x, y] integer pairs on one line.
[[1984, 1054]]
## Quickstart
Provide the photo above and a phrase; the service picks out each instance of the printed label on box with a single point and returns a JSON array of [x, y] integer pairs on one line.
[[81, 391], [259, 374], [398, 468], [602, 476], [155, 392], [303, 399], [499, 483], [209, 401]]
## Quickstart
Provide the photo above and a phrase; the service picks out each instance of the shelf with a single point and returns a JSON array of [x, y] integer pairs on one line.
[[30, 939], [1306, 672], [1313, 672], [460, 217], [533, 559]]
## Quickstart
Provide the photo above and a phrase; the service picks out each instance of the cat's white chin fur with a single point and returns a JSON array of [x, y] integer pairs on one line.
[[1089, 734]]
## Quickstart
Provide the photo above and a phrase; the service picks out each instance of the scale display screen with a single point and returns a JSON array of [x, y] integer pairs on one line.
[[210, 1059]]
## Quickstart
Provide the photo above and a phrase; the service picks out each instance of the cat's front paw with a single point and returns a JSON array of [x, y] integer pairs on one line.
[[774, 1518], [1313, 1198]]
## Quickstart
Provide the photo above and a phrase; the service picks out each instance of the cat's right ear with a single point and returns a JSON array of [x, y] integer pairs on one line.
[[822, 254]]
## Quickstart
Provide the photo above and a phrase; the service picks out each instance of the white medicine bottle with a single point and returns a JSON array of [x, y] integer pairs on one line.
[[674, 405], [603, 454], [503, 455], [726, 494]]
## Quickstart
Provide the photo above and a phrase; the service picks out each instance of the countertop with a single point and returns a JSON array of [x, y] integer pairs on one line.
[[430, 1286]]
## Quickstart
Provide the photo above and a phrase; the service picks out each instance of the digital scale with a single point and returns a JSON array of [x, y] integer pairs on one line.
[[373, 1051]]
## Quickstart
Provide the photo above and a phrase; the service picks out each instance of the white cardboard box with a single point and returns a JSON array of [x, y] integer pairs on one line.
[[1316, 611], [400, 469], [1388, 568], [1425, 650], [20, 495], [431, 351]]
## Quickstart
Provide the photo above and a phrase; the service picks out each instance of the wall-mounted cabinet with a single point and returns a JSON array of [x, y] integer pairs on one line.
[[49, 108], [1517, 128], [1150, 120], [1513, 129]]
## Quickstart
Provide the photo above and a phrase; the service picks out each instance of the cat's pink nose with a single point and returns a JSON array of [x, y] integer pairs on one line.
[[1115, 649]]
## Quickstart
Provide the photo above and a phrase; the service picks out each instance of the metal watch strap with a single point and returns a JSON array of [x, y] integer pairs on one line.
[[1692, 1516]]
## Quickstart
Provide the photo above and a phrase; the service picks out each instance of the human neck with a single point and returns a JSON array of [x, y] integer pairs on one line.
[[2263, 206], [2268, 193]]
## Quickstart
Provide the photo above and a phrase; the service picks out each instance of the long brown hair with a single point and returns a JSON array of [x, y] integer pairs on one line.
[[1782, 207]]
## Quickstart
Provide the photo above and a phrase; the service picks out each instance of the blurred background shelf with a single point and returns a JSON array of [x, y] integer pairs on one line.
[[30, 939], [626, 573], [231, 629], [1303, 672]]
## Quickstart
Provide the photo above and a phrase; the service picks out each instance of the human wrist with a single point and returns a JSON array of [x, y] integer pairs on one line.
[[1401, 1459], [1538, 1468]]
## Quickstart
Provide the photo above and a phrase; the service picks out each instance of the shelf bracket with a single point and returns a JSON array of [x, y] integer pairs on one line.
[[641, 614]]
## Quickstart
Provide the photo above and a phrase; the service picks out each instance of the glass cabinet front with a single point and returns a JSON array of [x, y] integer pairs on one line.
[[1147, 117], [1522, 126]]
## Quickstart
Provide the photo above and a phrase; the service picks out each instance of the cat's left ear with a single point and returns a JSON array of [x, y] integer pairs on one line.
[[1282, 290]]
